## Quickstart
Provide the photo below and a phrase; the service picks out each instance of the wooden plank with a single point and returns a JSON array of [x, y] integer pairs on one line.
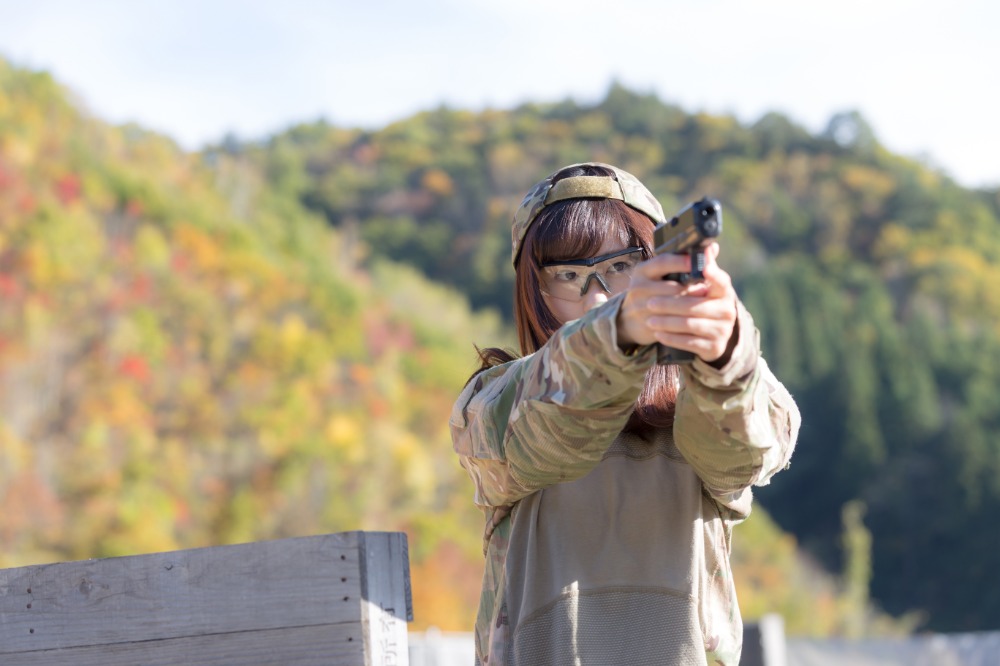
[[186, 593], [385, 587], [211, 593], [319, 645]]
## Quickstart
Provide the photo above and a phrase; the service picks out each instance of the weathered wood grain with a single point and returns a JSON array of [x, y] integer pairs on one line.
[[319, 645], [347, 594], [388, 601]]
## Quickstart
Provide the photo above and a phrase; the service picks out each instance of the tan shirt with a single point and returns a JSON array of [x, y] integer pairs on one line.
[[601, 547]]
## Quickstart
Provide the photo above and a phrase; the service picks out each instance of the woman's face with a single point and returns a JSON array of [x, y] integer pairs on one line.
[[567, 310]]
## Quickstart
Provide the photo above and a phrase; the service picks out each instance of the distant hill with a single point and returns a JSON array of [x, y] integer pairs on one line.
[[264, 339], [873, 279]]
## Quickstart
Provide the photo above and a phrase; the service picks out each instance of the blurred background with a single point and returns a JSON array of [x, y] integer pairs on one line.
[[246, 249]]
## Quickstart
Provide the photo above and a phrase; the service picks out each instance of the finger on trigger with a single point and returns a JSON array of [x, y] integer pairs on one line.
[[663, 264], [712, 251]]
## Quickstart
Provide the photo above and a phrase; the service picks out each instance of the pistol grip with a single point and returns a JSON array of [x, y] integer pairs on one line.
[[697, 273], [698, 265], [668, 355]]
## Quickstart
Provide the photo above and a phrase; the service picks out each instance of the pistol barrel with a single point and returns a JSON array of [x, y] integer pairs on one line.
[[692, 227]]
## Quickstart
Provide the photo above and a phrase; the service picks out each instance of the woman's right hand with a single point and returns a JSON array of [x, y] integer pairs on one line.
[[698, 317]]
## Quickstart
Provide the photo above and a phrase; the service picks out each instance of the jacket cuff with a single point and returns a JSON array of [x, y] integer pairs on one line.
[[606, 327]]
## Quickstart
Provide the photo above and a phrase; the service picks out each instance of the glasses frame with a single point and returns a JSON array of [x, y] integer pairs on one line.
[[590, 263]]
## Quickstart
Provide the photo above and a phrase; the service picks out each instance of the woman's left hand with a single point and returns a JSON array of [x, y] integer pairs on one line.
[[698, 317]]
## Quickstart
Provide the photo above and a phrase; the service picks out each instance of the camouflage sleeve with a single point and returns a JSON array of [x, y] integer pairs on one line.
[[550, 416], [736, 425]]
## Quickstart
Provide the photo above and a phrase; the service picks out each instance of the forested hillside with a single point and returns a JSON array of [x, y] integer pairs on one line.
[[188, 360], [255, 341], [873, 277]]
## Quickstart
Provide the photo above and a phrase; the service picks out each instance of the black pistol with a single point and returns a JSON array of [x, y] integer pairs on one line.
[[688, 232]]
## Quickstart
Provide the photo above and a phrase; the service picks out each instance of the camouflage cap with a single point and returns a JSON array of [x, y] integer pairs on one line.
[[622, 186]]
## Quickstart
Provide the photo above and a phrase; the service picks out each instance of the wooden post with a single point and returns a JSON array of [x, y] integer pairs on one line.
[[764, 642], [332, 599]]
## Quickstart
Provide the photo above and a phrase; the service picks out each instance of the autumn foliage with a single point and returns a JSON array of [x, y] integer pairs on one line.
[[265, 339]]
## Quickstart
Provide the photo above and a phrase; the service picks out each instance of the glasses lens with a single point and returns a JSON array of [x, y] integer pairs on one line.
[[567, 282]]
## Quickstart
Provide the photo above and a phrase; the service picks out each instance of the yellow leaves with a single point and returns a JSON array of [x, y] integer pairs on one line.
[[290, 346], [292, 333], [147, 515], [437, 182], [98, 192], [15, 455], [346, 438], [117, 405], [594, 126], [642, 154], [715, 131], [39, 266], [558, 130], [963, 276], [250, 271], [290, 421], [17, 149], [499, 208], [135, 339], [947, 267], [274, 443], [62, 248], [198, 246], [125, 408], [867, 180], [893, 242], [873, 187], [415, 469], [948, 262], [342, 430], [151, 247], [38, 319]]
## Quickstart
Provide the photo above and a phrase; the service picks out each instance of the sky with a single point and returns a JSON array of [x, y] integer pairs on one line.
[[923, 74]]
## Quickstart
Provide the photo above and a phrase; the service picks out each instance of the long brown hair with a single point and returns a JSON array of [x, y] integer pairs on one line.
[[569, 230]]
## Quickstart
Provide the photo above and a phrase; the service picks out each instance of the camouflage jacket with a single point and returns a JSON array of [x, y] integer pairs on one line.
[[603, 547]]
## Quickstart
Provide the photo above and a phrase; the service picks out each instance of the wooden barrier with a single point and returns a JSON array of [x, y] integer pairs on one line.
[[331, 599]]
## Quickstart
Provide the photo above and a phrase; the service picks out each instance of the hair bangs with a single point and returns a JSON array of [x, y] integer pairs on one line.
[[577, 228]]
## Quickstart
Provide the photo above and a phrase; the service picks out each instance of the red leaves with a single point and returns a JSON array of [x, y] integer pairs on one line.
[[384, 333], [68, 188], [27, 203], [10, 287], [134, 366], [134, 208], [180, 263]]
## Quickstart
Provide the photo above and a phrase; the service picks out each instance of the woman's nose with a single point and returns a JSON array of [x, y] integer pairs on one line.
[[595, 295]]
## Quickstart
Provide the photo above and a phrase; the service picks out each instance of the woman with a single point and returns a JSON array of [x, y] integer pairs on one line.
[[610, 484]]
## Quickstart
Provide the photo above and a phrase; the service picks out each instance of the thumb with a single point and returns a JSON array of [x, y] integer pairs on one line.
[[712, 252]]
